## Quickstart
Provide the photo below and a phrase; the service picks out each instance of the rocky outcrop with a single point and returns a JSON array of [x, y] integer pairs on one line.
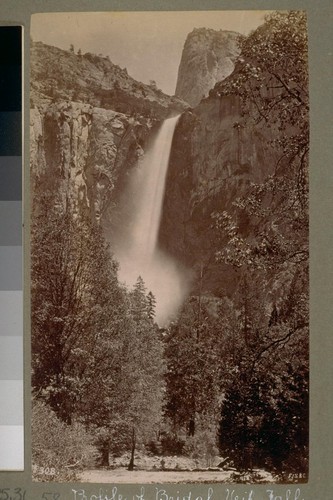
[[87, 149], [208, 57], [58, 74]]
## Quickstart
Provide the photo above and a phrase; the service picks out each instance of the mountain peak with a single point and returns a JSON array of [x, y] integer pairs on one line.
[[208, 57]]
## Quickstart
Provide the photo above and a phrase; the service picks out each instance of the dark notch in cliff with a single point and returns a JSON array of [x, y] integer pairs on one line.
[[58, 74], [208, 57]]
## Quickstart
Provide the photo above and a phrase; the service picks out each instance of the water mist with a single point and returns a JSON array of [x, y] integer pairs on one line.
[[136, 243]]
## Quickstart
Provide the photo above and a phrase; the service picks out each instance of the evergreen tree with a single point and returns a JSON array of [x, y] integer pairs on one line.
[[151, 305], [193, 367], [131, 368]]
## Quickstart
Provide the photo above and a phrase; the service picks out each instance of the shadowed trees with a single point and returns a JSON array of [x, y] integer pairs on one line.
[[96, 351]]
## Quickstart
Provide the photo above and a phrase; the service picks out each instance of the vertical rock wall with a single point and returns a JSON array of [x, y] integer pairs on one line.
[[216, 154], [86, 149]]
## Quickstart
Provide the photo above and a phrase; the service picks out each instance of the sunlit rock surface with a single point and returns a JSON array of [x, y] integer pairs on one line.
[[208, 57], [89, 124]]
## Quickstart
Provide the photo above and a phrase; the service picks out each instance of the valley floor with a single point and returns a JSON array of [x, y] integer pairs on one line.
[[178, 469], [122, 476], [142, 477]]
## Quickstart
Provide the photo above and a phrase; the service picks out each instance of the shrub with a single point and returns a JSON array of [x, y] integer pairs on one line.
[[58, 450], [202, 447], [172, 444]]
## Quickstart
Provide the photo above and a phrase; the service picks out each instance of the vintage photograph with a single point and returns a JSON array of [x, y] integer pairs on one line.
[[169, 247]]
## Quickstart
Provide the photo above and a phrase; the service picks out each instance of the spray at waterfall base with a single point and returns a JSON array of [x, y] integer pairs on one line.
[[136, 240]]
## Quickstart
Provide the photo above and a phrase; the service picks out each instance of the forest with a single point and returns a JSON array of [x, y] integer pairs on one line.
[[225, 381]]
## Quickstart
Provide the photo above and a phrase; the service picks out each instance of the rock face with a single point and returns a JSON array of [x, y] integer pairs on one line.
[[208, 57], [58, 74], [88, 149], [89, 124], [216, 155], [90, 138]]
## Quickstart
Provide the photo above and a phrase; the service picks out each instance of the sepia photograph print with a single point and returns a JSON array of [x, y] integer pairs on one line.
[[169, 247]]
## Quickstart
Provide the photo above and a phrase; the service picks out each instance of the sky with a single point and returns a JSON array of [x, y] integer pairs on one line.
[[148, 44]]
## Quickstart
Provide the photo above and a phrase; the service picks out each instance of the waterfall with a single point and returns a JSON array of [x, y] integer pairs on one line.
[[136, 243], [150, 191]]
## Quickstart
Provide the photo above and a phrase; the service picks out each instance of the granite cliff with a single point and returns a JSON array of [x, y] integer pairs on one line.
[[251, 130], [232, 249], [208, 57], [216, 156], [89, 123], [58, 74]]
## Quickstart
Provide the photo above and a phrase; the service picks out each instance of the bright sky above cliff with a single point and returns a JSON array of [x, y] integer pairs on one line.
[[148, 44]]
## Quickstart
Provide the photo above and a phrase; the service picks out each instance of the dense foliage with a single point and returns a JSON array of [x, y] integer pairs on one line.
[[97, 353], [270, 389], [59, 450]]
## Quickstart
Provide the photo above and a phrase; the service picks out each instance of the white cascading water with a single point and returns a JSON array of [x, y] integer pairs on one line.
[[136, 245]]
